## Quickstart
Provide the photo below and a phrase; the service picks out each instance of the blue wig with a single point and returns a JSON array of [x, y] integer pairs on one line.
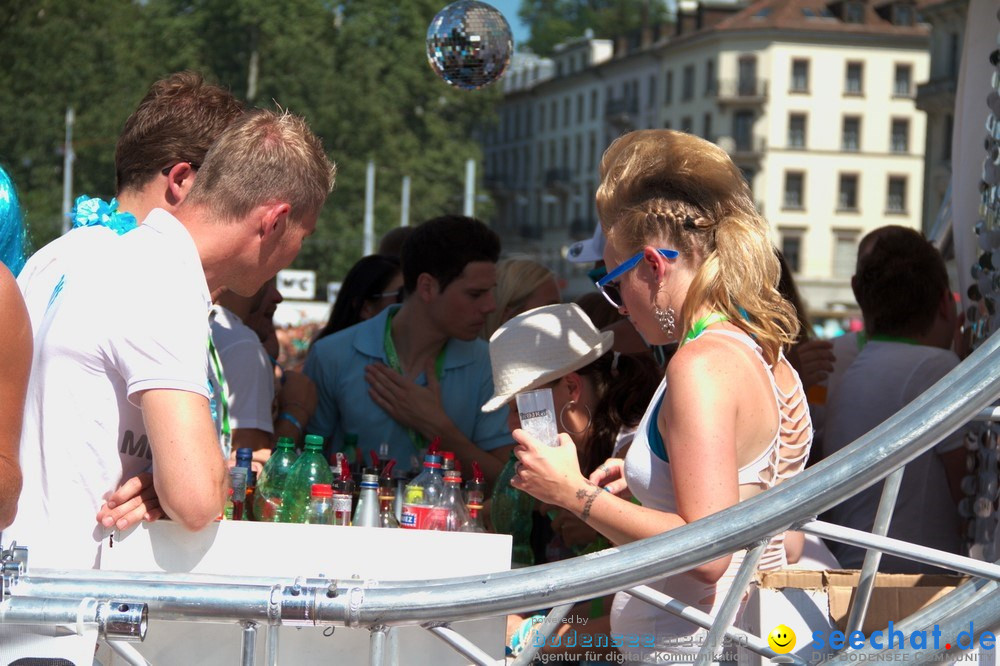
[[13, 239]]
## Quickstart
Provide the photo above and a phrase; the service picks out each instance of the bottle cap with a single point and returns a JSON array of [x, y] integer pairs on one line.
[[452, 476], [447, 460], [286, 443], [431, 460], [387, 470], [314, 442], [369, 481], [321, 490]]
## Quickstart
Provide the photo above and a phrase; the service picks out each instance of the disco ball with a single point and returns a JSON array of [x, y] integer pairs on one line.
[[469, 44]]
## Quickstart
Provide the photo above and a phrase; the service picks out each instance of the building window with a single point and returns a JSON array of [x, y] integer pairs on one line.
[[851, 135], [747, 76], [553, 115], [854, 12], [896, 199], [845, 252], [954, 54], [687, 125], [593, 151], [743, 130], [800, 75], [847, 197], [579, 108], [706, 123], [593, 104], [797, 130], [709, 77], [687, 86], [652, 91], [791, 248], [902, 85], [566, 111], [668, 90], [748, 176], [949, 129], [794, 190], [900, 142], [853, 84], [578, 155], [541, 117], [902, 14]]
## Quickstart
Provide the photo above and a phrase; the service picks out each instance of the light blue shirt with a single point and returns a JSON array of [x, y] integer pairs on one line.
[[337, 365]]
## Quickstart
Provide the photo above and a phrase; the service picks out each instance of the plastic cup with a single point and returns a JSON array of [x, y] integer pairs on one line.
[[537, 412]]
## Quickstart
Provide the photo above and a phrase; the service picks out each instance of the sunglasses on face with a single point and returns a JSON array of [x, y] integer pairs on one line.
[[398, 295], [608, 285]]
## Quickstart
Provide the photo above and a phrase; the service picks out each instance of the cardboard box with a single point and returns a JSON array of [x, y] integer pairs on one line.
[[282, 550], [809, 601]]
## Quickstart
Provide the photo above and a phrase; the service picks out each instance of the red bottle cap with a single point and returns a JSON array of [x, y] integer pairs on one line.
[[387, 470], [434, 446], [321, 490]]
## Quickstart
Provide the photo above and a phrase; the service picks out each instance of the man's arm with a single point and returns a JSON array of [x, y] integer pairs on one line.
[[189, 473], [15, 364]]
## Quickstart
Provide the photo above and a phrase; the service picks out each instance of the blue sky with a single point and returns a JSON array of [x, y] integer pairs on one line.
[[509, 9]]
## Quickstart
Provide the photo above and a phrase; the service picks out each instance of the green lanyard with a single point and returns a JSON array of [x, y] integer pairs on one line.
[[892, 338], [227, 433], [699, 326], [419, 442]]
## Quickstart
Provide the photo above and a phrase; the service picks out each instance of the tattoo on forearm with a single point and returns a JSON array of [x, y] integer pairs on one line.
[[590, 496]]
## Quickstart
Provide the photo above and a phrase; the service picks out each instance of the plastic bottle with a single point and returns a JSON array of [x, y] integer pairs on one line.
[[366, 514], [511, 513], [422, 501], [320, 509], [387, 497], [453, 502], [271, 481], [475, 493], [310, 468]]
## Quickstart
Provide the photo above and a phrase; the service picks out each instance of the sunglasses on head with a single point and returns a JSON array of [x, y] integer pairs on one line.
[[398, 295]]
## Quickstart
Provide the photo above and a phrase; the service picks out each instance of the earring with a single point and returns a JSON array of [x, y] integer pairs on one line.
[[569, 405], [666, 319]]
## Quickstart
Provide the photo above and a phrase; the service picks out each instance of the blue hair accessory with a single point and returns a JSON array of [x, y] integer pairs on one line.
[[92, 212], [13, 240]]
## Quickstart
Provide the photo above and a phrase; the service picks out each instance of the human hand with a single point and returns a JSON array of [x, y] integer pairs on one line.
[[298, 396], [813, 360], [610, 476], [548, 473], [408, 403], [134, 501]]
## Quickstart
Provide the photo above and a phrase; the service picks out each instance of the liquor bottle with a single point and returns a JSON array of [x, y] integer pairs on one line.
[[310, 468], [271, 482], [248, 509], [475, 493], [511, 513], [422, 507], [366, 514], [341, 509], [453, 502], [387, 497], [238, 484], [320, 509]]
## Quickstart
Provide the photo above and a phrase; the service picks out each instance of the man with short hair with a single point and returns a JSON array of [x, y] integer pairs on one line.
[[159, 151], [902, 288], [419, 370]]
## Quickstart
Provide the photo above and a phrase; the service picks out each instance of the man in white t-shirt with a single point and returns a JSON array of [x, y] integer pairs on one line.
[[910, 319], [119, 378], [157, 156]]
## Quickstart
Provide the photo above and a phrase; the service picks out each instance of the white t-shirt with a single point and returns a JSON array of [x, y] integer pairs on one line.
[[845, 350], [134, 317], [248, 371], [884, 378], [44, 270]]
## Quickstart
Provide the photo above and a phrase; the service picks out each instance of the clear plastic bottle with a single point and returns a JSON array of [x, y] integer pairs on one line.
[[475, 494], [320, 509], [366, 514], [271, 482], [423, 496], [453, 502], [309, 469]]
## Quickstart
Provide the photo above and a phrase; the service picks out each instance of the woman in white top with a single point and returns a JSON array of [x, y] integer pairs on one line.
[[690, 260]]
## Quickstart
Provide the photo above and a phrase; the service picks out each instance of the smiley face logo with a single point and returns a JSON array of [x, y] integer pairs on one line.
[[781, 639]]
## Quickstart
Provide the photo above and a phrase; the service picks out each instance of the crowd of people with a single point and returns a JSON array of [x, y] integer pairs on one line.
[[680, 385]]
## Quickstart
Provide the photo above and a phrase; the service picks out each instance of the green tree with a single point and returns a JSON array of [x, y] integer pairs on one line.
[[555, 21]]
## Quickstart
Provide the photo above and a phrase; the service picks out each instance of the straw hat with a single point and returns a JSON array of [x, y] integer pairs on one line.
[[540, 346]]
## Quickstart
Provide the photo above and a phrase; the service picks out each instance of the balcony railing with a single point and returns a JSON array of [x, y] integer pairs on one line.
[[749, 91], [744, 148]]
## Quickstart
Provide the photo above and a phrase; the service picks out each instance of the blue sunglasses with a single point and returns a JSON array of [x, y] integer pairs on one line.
[[608, 285]]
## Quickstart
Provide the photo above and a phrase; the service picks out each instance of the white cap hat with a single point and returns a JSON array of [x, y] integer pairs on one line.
[[588, 251], [540, 346]]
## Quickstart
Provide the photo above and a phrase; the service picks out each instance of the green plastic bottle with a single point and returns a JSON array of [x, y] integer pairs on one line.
[[511, 513], [310, 468], [271, 482]]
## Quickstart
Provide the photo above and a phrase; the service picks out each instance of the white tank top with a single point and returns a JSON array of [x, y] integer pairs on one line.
[[649, 480]]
